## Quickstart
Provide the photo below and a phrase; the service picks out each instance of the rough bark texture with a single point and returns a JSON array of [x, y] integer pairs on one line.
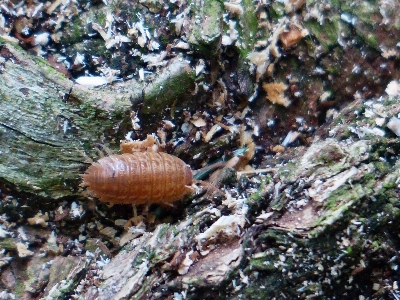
[[307, 91]]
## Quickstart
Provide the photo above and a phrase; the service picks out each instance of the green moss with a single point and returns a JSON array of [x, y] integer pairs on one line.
[[336, 206], [390, 185], [101, 17], [152, 256], [345, 134], [349, 251], [288, 171], [205, 36], [8, 244], [277, 10], [175, 231], [369, 176], [279, 202], [391, 211], [48, 69], [394, 201], [382, 167], [326, 34], [375, 245], [249, 29], [263, 263], [73, 33], [15, 45], [369, 37], [172, 93], [143, 255], [276, 237], [163, 231], [328, 155], [346, 193], [336, 4], [91, 245], [20, 288], [391, 100]]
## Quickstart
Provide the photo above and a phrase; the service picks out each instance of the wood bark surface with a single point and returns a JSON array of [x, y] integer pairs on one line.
[[310, 89]]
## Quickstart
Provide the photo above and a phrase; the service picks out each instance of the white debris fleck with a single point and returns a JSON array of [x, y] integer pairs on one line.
[[332, 113], [200, 67], [153, 45], [22, 234], [42, 39], [211, 133], [3, 232], [300, 120], [23, 251], [180, 20], [260, 60], [198, 122], [185, 264], [393, 88], [4, 295], [79, 59], [39, 219], [379, 109], [53, 6], [52, 238], [92, 81], [376, 286], [182, 45], [270, 122], [394, 125], [263, 217], [290, 138], [234, 8], [65, 126], [227, 227], [76, 210], [128, 136], [244, 278], [348, 18], [101, 262], [37, 10], [369, 113], [325, 96], [177, 296], [141, 74], [232, 35], [363, 130], [186, 127], [380, 121], [154, 59], [140, 32], [168, 124]]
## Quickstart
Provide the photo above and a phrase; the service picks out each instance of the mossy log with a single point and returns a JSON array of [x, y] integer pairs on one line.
[[48, 123]]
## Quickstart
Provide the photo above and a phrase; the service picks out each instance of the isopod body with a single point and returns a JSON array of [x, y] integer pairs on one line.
[[138, 178]]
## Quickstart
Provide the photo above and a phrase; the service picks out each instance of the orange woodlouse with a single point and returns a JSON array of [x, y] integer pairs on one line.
[[139, 178]]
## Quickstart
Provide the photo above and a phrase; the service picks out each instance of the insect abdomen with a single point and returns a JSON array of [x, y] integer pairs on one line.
[[142, 177]]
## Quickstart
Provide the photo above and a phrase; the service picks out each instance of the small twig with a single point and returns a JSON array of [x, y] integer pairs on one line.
[[266, 170]]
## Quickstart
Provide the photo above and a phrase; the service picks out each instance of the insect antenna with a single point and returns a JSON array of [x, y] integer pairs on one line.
[[210, 188], [88, 159]]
